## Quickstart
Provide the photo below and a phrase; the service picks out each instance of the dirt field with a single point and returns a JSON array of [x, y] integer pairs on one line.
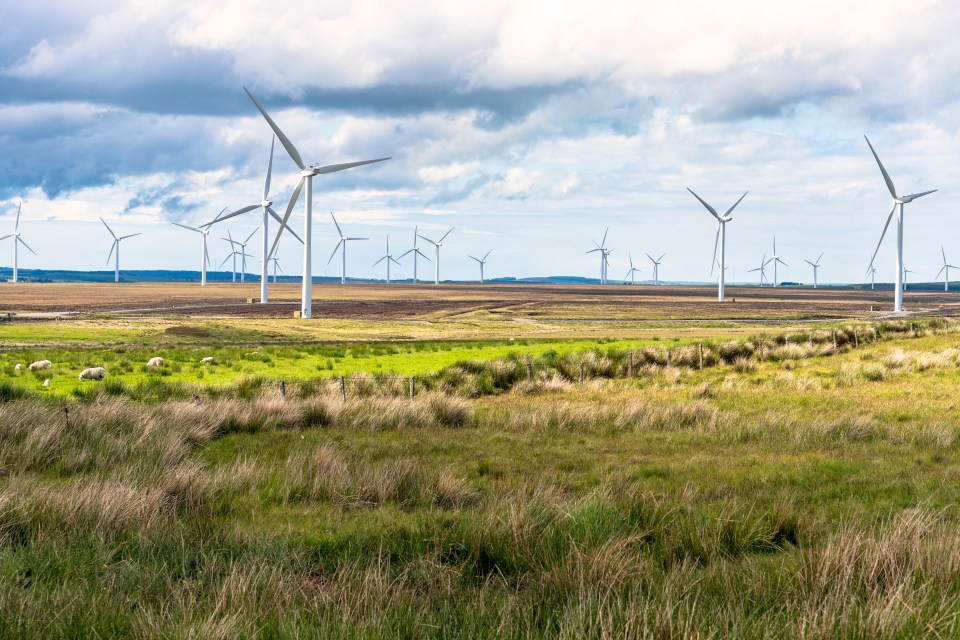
[[430, 302]]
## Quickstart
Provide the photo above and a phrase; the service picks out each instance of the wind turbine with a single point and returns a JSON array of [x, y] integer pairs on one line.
[[905, 272], [416, 252], [17, 241], [242, 253], [898, 202], [306, 177], [116, 247], [232, 254], [265, 205], [816, 265], [872, 272], [276, 265], [604, 254], [721, 238], [656, 268], [204, 231], [775, 259], [389, 258], [945, 268], [762, 269], [634, 270], [437, 245], [342, 242], [481, 263]]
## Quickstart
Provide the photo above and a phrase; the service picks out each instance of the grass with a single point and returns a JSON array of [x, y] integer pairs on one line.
[[787, 489]]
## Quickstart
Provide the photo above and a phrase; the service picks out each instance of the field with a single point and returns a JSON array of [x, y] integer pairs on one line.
[[575, 462]]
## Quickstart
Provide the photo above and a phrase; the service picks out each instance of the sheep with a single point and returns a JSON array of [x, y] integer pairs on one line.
[[19, 367], [207, 360], [155, 362], [40, 364], [93, 373], [46, 382]]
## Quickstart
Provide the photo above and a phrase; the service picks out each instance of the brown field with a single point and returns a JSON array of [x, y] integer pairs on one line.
[[556, 303]]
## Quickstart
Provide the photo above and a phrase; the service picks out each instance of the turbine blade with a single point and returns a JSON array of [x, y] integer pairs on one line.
[[423, 255], [818, 259], [332, 168], [914, 196], [206, 255], [661, 258], [704, 203], [214, 221], [266, 183], [716, 243], [187, 227], [16, 225], [380, 260], [428, 240], [286, 215], [109, 229], [276, 216], [227, 258], [939, 272], [944, 254], [809, 263], [889, 218], [336, 225], [250, 236], [730, 210], [394, 261], [9, 235], [405, 253], [339, 242], [487, 254], [594, 250], [237, 212], [472, 258], [444, 236], [21, 241], [886, 176], [112, 247], [291, 150], [130, 236], [356, 238], [603, 242]]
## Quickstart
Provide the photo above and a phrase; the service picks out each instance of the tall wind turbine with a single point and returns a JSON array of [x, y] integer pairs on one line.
[[721, 238], [634, 270], [905, 272], [233, 254], [437, 245], [242, 253], [762, 269], [115, 250], [872, 272], [898, 202], [306, 177], [604, 254], [389, 258], [276, 265], [266, 205], [775, 259], [656, 267], [416, 252], [17, 241], [204, 231], [815, 265], [945, 269], [481, 263], [343, 253]]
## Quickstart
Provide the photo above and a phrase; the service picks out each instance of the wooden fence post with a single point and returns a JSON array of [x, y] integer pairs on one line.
[[529, 372], [630, 364], [283, 390], [343, 389], [411, 388], [700, 348], [581, 372]]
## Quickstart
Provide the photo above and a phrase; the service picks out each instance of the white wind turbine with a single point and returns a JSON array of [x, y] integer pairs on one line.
[[656, 267], [416, 252], [721, 238], [762, 269], [815, 265], [306, 177], [17, 241], [905, 272], [437, 245], [242, 253], [634, 270], [233, 254], [604, 254], [204, 231], [945, 269], [481, 263], [266, 206], [389, 258], [115, 247], [872, 272], [898, 202], [775, 259], [276, 265], [343, 253]]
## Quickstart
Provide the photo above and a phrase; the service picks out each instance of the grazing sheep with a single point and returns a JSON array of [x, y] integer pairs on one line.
[[19, 367], [94, 373], [207, 360], [46, 382], [40, 364], [155, 362]]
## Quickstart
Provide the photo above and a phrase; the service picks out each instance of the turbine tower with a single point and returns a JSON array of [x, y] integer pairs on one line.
[[17, 241], [905, 272], [481, 263], [604, 254], [634, 270], [416, 252], [437, 245], [306, 177], [872, 272], [721, 238], [242, 253], [389, 258], [276, 265], [898, 202], [204, 231], [343, 254], [656, 268], [762, 269], [815, 265], [115, 247], [775, 259], [945, 269], [266, 205], [233, 254]]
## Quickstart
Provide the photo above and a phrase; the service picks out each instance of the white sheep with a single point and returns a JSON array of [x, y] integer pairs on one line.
[[93, 373], [46, 382], [207, 360], [40, 364], [19, 367], [155, 362]]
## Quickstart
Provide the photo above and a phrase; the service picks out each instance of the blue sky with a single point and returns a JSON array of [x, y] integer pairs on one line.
[[528, 126]]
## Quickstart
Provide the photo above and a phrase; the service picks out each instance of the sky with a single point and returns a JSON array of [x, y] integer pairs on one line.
[[529, 127]]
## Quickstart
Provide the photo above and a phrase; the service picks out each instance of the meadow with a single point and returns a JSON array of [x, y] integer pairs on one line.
[[789, 480]]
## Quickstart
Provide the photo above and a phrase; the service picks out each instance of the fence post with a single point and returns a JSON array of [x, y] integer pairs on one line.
[[529, 372], [66, 416], [762, 358], [669, 358], [700, 348], [283, 390], [411, 388], [581, 372], [834, 338], [630, 364], [343, 389], [856, 339]]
